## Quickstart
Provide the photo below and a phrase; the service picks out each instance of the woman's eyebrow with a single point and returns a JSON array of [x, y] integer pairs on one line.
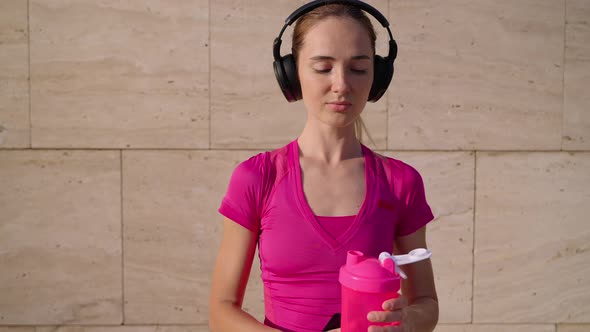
[[325, 57]]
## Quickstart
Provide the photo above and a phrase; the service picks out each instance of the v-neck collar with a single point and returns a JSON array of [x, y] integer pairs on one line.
[[334, 244]]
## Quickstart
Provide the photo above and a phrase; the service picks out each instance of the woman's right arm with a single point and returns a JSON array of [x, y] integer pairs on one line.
[[230, 277]]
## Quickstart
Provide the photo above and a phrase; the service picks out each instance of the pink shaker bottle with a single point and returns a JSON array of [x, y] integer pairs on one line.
[[366, 284]]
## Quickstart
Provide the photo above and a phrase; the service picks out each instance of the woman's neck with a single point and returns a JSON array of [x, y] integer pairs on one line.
[[329, 145]]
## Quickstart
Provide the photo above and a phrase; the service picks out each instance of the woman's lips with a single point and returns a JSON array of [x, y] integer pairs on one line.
[[339, 107]]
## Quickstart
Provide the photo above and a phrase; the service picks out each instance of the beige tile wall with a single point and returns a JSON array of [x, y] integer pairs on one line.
[[14, 73], [117, 74], [576, 118], [478, 75], [121, 121]]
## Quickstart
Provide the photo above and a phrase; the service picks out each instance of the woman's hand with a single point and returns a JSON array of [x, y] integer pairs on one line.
[[395, 310]]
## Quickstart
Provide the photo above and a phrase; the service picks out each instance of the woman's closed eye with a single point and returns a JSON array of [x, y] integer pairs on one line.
[[322, 70], [327, 70]]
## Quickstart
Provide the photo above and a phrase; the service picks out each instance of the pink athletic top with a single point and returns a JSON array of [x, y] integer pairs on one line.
[[335, 226], [299, 256]]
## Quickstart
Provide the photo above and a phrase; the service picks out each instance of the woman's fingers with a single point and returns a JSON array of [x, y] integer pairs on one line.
[[393, 313], [385, 316], [396, 304]]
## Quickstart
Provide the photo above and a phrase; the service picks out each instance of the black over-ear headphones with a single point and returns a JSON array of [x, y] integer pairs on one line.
[[286, 69]]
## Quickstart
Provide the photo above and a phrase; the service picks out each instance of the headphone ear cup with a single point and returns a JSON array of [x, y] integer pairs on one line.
[[281, 78], [291, 76], [286, 75], [382, 75]]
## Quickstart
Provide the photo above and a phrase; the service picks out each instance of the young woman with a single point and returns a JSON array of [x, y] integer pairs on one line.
[[306, 204]]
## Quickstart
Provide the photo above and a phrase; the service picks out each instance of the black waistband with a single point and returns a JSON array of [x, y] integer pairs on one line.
[[275, 326]]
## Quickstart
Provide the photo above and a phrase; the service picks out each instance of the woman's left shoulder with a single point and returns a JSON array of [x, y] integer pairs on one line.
[[395, 165]]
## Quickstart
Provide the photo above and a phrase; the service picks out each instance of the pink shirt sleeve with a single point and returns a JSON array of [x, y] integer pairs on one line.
[[242, 202], [416, 211]]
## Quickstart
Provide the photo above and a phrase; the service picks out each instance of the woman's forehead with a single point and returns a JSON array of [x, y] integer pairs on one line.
[[336, 36]]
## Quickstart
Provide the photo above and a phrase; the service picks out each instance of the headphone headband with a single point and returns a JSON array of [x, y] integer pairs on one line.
[[318, 3]]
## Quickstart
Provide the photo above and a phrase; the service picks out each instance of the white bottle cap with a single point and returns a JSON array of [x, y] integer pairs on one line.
[[413, 256]]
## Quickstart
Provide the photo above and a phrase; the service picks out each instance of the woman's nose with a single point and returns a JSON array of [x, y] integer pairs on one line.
[[340, 81]]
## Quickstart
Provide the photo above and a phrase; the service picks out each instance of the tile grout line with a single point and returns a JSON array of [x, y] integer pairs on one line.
[[29, 74], [122, 238], [563, 64], [475, 154]]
